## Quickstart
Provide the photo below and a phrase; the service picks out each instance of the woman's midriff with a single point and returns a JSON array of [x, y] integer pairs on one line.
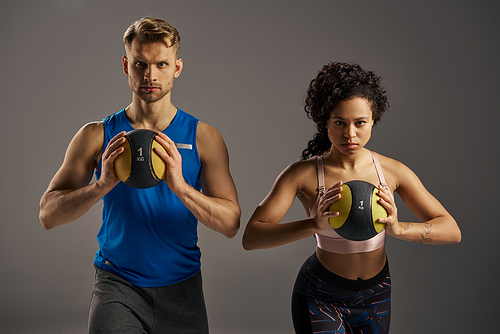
[[359, 266]]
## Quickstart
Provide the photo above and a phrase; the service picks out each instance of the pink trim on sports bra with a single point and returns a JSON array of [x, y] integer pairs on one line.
[[331, 241]]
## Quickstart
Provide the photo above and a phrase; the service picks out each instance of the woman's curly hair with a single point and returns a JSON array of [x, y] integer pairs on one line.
[[338, 82]]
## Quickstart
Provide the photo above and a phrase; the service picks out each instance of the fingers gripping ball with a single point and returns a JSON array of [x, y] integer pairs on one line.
[[359, 211], [138, 165]]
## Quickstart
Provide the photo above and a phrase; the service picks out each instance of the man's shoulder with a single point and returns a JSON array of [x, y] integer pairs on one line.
[[92, 134], [208, 129], [86, 144], [208, 135], [91, 128], [209, 141]]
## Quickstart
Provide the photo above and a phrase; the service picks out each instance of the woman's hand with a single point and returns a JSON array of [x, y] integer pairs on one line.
[[323, 213], [392, 226]]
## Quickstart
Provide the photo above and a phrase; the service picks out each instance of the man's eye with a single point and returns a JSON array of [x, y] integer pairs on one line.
[[139, 63]]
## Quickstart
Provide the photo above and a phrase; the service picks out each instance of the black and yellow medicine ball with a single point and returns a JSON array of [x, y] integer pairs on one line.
[[359, 211], [138, 165]]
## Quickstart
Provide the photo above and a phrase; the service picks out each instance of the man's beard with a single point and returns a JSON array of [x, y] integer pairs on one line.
[[148, 97]]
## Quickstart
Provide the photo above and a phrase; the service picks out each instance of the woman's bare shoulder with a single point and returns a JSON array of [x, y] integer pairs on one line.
[[394, 170], [301, 169]]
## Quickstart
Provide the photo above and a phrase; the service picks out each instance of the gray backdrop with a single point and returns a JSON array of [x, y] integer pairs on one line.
[[247, 67]]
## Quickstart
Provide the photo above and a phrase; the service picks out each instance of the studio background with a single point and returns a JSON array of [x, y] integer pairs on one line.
[[247, 65]]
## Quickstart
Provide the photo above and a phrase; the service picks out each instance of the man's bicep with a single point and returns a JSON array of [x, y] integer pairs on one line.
[[79, 162], [216, 180]]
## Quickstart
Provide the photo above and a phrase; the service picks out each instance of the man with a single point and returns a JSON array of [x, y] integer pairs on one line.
[[148, 276]]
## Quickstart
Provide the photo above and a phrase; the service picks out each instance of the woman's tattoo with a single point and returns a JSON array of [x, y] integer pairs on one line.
[[425, 234]]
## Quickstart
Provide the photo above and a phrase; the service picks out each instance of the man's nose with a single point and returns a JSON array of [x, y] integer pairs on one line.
[[150, 74]]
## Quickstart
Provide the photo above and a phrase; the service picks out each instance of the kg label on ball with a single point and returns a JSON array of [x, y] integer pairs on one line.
[[140, 157]]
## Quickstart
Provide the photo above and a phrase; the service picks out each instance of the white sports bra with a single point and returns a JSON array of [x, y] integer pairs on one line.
[[331, 241]]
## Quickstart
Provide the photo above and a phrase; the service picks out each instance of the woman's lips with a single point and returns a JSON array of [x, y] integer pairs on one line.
[[350, 146]]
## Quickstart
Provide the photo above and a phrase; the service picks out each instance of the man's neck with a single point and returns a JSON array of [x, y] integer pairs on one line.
[[155, 116]]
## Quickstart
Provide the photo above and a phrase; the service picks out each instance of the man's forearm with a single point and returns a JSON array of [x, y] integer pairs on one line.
[[59, 207], [218, 214]]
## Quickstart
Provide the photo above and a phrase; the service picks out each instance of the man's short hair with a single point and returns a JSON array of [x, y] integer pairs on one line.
[[151, 29]]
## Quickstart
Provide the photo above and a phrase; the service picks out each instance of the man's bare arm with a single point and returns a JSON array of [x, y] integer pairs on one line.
[[217, 207], [69, 194]]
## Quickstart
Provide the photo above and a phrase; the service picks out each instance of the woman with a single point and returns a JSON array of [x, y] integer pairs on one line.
[[345, 285]]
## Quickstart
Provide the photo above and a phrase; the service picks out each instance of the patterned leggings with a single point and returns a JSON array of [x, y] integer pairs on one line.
[[323, 302]]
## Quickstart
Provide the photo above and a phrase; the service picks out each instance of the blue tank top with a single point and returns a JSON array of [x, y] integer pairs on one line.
[[148, 236]]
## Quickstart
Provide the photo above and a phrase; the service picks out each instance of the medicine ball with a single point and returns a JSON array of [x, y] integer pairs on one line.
[[359, 211], [138, 165]]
